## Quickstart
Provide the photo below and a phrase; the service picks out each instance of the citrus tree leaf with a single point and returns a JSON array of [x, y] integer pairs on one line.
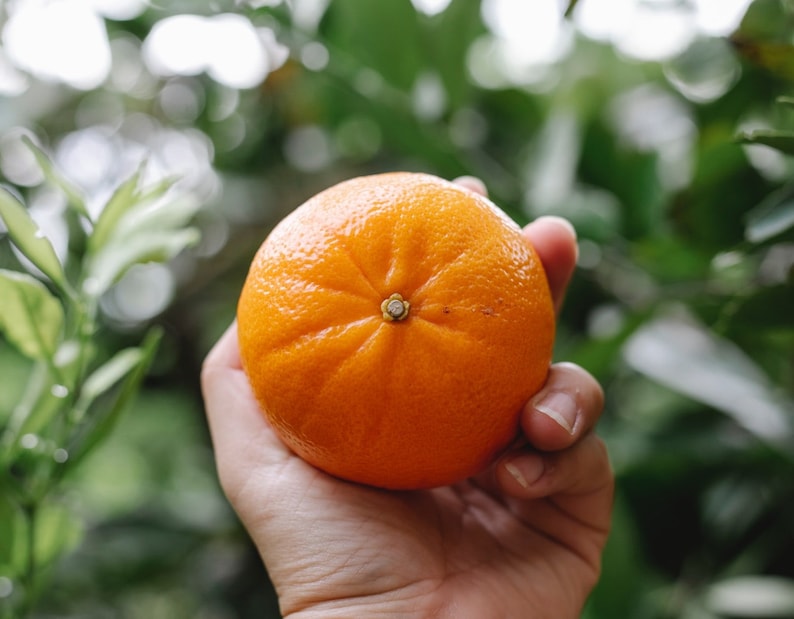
[[28, 238], [358, 27], [155, 216], [30, 316], [57, 530], [102, 424], [133, 210], [45, 399], [752, 596], [106, 376], [453, 31], [681, 354], [773, 216], [73, 194], [779, 140], [764, 37], [777, 58], [765, 21], [116, 258], [156, 190], [122, 200], [13, 554], [144, 232]]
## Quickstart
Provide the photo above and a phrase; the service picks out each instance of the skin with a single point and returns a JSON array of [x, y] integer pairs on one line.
[[522, 539]]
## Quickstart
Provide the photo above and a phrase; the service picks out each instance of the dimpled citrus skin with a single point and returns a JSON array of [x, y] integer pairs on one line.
[[415, 403]]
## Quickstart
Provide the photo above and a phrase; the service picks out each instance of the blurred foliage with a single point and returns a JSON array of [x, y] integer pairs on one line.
[[676, 174], [74, 394]]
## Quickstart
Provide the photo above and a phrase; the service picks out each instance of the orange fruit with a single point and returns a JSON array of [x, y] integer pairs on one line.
[[392, 328]]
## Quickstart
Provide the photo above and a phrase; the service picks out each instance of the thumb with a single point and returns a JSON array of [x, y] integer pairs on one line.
[[241, 436]]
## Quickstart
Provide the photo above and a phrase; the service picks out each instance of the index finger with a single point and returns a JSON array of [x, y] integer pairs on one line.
[[554, 239]]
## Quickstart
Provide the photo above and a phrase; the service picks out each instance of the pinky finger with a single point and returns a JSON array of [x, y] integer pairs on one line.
[[583, 470]]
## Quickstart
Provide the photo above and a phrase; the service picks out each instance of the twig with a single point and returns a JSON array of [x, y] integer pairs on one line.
[[571, 6]]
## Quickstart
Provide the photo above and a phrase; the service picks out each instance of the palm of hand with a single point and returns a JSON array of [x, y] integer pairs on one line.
[[459, 551]]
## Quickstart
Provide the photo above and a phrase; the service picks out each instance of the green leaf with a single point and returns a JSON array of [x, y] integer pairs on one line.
[[57, 530], [776, 58], [779, 140], [678, 352], [45, 399], [448, 38], [354, 26], [30, 316], [773, 216], [102, 424], [155, 216], [123, 199], [765, 21], [13, 532], [156, 190], [137, 226], [156, 246], [73, 195], [106, 376], [28, 238], [752, 596], [788, 101]]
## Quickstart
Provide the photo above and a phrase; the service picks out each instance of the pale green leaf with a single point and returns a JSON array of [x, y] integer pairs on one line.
[[49, 391], [685, 356], [107, 375], [13, 552], [752, 596], [115, 259], [28, 238], [58, 530], [124, 198], [156, 216], [779, 140], [73, 194], [156, 190], [102, 424], [30, 316], [771, 217]]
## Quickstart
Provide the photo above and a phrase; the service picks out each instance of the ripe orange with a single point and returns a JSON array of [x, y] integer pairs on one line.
[[392, 327]]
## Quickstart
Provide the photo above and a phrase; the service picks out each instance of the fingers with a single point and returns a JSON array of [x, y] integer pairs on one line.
[[564, 455], [565, 409], [554, 239], [580, 470]]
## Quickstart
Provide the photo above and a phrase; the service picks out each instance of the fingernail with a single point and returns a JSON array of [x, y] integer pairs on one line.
[[560, 407], [473, 183], [562, 221], [526, 471]]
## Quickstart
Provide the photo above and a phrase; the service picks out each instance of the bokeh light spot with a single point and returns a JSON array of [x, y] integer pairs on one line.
[[59, 41]]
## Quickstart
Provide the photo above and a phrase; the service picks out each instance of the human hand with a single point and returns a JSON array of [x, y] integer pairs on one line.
[[522, 539]]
